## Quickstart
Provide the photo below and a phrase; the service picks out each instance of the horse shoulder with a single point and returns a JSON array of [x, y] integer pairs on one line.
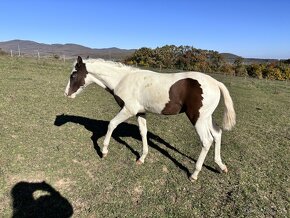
[[127, 91]]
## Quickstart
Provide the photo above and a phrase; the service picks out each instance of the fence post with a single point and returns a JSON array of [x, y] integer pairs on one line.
[[18, 51]]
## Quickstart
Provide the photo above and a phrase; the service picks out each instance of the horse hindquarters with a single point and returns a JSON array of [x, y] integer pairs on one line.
[[207, 131]]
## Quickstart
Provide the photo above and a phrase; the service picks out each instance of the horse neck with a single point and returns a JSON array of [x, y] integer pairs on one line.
[[108, 75]]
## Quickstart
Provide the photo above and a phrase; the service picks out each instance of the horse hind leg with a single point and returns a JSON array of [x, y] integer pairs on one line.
[[217, 135], [203, 130]]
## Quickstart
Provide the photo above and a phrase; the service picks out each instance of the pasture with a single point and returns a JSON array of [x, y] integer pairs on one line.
[[47, 137]]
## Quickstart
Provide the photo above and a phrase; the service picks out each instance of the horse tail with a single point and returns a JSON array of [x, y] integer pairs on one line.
[[229, 119]]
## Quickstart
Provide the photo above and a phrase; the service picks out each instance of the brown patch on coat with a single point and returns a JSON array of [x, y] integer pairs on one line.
[[185, 96], [77, 78]]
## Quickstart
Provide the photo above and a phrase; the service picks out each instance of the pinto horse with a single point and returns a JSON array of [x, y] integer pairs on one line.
[[139, 91]]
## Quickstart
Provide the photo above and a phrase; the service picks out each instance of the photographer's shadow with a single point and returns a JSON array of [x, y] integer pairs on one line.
[[39, 199]]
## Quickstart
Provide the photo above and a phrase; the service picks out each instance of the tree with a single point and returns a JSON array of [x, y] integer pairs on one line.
[[227, 69], [166, 55], [143, 56], [255, 70], [239, 68], [274, 73], [287, 73], [217, 61], [189, 58]]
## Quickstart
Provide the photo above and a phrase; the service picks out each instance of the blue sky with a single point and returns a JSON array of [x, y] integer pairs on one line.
[[250, 28]]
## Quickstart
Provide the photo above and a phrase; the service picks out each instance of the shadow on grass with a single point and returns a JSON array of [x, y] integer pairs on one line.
[[99, 129], [39, 199]]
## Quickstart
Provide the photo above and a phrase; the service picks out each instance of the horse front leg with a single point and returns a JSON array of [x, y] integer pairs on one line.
[[122, 116], [143, 131]]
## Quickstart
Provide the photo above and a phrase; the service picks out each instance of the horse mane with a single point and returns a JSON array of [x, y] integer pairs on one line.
[[108, 63]]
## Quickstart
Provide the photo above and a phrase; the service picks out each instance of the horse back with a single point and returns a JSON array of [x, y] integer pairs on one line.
[[166, 94]]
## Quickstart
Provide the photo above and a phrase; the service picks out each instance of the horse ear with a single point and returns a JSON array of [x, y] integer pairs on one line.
[[80, 60]]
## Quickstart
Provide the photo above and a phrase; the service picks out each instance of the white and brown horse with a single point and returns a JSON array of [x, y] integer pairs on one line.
[[138, 91]]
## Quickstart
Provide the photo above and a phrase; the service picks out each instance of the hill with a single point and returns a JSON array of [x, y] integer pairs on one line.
[[31, 48], [230, 58], [70, 50]]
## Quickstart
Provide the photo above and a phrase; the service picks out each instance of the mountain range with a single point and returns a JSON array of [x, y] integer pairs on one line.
[[31, 48]]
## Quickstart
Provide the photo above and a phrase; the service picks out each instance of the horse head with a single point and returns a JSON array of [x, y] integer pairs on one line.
[[77, 81]]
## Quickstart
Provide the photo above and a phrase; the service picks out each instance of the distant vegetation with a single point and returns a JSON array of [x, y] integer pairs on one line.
[[186, 58], [2, 52], [191, 59]]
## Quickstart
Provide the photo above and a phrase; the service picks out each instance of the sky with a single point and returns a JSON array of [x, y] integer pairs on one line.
[[249, 28]]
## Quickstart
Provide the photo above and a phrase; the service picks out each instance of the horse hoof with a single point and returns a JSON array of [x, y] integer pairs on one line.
[[225, 170], [192, 179], [139, 162], [104, 155]]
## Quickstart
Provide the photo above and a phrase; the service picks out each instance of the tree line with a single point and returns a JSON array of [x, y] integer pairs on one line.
[[188, 58]]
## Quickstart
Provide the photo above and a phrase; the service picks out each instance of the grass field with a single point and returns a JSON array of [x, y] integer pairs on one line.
[[50, 152]]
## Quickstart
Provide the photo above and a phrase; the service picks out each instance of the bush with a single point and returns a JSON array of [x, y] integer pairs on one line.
[[56, 56], [3, 52], [188, 58]]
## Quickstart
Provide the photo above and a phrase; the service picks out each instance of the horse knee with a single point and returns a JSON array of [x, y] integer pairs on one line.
[[112, 126], [207, 142], [204, 132], [216, 131], [217, 135], [206, 146]]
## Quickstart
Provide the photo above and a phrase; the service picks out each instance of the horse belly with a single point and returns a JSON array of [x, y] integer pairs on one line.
[[154, 97], [154, 93]]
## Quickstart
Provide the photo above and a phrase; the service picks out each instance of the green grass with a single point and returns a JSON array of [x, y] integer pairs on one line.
[[38, 144]]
